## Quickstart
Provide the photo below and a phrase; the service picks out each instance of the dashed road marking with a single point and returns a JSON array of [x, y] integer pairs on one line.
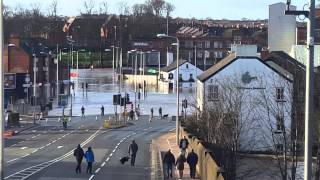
[[114, 150], [34, 131], [118, 144], [97, 170], [35, 151], [12, 160], [110, 154], [91, 177], [59, 147], [104, 163], [23, 148], [107, 159], [54, 141]]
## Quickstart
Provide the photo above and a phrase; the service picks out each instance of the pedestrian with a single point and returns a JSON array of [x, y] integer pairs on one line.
[[82, 111], [151, 112], [65, 122], [78, 153], [180, 164], [160, 112], [169, 160], [183, 145], [192, 160], [90, 159], [131, 114], [133, 149], [102, 110]]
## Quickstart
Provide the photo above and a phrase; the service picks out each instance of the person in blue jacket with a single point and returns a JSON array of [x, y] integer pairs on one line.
[[90, 159]]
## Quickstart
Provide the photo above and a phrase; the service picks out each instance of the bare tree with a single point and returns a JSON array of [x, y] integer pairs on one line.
[[168, 8], [104, 8], [157, 6], [123, 8], [7, 11], [53, 8], [138, 9], [88, 6]]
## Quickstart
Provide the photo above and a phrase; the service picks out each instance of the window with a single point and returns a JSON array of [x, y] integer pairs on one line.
[[199, 44], [187, 66], [161, 76], [207, 44], [280, 123], [189, 44], [280, 94], [170, 76], [213, 93], [199, 54], [216, 44], [180, 78], [191, 78]]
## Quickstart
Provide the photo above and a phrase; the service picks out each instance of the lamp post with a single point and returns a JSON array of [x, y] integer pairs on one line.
[[1, 96], [35, 69], [309, 111], [81, 50], [177, 85]]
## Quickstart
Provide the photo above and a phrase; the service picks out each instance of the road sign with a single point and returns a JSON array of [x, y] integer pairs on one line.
[[26, 85], [9, 81]]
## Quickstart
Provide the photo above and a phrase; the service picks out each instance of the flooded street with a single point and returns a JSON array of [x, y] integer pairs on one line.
[[101, 90]]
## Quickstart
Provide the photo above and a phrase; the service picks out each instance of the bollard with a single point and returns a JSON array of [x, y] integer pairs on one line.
[[59, 120], [46, 120], [96, 118]]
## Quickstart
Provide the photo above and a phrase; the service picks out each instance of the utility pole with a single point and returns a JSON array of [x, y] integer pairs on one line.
[[309, 109], [35, 69], [1, 94]]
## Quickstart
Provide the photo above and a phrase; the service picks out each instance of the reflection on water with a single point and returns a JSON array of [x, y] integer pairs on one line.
[[101, 89]]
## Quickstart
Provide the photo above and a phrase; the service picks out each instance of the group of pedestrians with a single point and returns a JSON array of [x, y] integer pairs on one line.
[[88, 155], [191, 159]]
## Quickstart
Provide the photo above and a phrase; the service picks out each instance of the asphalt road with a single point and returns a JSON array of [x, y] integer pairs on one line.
[[46, 152]]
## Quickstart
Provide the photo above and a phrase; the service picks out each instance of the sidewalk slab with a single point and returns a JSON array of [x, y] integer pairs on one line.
[[163, 144]]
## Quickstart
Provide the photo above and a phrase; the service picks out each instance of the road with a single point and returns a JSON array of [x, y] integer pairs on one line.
[[46, 152]]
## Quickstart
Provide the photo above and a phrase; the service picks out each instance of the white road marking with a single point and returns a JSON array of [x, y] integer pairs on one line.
[[34, 131], [13, 145], [107, 159], [121, 140], [25, 155], [59, 138], [54, 141], [48, 144], [97, 170], [41, 147], [59, 147], [61, 130], [12, 160], [27, 139], [110, 154], [114, 150], [33, 137], [116, 147], [118, 144], [35, 151], [87, 130], [102, 165], [64, 136], [23, 148], [21, 142], [91, 177]]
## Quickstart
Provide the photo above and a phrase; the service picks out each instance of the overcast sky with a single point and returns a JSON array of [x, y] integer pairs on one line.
[[201, 9]]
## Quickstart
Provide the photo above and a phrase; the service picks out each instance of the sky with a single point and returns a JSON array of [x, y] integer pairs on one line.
[[200, 9]]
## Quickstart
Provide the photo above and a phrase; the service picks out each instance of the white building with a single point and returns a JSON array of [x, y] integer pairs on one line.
[[187, 72], [281, 28], [256, 93]]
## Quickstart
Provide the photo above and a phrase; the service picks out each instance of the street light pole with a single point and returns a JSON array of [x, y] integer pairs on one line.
[[177, 85], [135, 80], [309, 109], [34, 86], [1, 95]]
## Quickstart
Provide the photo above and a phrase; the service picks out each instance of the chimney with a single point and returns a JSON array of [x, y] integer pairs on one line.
[[264, 54]]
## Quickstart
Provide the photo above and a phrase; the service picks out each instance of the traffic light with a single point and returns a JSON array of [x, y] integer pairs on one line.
[[87, 85], [116, 99], [127, 98], [82, 85]]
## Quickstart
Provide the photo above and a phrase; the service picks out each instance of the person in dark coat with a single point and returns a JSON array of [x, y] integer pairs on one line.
[[133, 149], [102, 110], [151, 112], [192, 160], [169, 160], [180, 164], [78, 153], [90, 159], [131, 114], [183, 145], [82, 111], [160, 112]]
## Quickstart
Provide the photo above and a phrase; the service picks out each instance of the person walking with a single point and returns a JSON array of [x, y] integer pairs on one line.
[[183, 145], [151, 112], [192, 160], [169, 160], [131, 114], [82, 111], [160, 112], [102, 110], [78, 153], [90, 159], [180, 164], [133, 149]]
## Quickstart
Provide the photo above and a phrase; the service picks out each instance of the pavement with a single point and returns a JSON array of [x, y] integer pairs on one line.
[[163, 144]]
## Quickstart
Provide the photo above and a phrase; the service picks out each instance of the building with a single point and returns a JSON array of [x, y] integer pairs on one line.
[[281, 28], [187, 76], [211, 44], [255, 94], [20, 58]]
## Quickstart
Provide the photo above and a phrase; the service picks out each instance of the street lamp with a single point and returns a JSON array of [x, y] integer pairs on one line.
[[162, 36]]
